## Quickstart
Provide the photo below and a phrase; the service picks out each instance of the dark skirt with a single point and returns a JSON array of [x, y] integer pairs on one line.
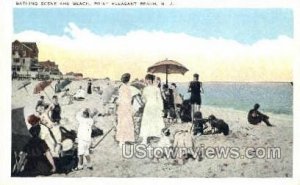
[[55, 116], [37, 166], [89, 90]]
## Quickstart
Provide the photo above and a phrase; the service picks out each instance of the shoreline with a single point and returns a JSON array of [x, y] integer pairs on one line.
[[288, 117], [270, 114]]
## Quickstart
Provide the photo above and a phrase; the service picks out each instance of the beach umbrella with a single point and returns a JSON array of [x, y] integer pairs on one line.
[[63, 84], [168, 67], [20, 134], [24, 84], [41, 87]]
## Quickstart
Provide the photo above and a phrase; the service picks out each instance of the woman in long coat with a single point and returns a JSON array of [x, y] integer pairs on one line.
[[89, 89], [125, 126], [152, 121]]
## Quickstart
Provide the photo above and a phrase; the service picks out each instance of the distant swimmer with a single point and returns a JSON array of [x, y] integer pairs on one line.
[[255, 117]]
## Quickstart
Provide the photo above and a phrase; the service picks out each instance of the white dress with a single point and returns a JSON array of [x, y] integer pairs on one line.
[[152, 121], [125, 126]]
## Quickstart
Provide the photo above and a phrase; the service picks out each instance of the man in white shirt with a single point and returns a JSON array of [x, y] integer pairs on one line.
[[84, 137]]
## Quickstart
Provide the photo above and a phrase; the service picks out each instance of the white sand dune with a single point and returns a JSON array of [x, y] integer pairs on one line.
[[108, 161]]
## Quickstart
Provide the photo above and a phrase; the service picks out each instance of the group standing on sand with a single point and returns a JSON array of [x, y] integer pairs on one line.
[[160, 106], [162, 103]]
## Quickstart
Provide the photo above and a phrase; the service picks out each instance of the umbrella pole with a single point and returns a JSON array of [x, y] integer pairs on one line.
[[47, 96], [26, 89], [52, 88], [167, 74], [103, 137]]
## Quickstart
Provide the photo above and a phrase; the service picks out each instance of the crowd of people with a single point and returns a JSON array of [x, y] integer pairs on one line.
[[157, 105], [53, 148], [162, 106]]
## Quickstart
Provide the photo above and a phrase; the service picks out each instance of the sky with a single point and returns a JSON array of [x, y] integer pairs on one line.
[[219, 44]]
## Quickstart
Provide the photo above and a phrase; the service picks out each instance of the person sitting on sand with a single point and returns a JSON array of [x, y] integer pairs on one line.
[[39, 158], [218, 125], [255, 117], [84, 138], [41, 102], [163, 143], [67, 96], [183, 144], [55, 110], [199, 124], [80, 94], [49, 132], [165, 140], [185, 111]]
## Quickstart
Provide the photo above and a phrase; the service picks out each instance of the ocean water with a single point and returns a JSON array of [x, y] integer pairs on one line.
[[276, 98]]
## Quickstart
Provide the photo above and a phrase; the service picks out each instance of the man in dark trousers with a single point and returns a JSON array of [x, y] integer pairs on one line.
[[255, 117]]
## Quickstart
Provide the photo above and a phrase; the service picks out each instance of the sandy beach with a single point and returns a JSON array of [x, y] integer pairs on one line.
[[108, 161]]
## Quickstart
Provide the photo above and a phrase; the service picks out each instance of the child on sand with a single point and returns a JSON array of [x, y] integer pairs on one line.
[[41, 102], [55, 110], [68, 99], [183, 145], [199, 124], [84, 138]]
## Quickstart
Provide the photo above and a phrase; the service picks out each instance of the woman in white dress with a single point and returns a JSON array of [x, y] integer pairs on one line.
[[152, 121]]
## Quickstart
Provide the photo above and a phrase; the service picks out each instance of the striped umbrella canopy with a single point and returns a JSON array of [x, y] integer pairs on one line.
[[41, 86], [24, 84], [168, 67]]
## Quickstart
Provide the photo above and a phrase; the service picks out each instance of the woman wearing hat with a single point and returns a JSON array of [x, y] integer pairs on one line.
[[152, 121], [39, 158], [195, 89], [125, 126]]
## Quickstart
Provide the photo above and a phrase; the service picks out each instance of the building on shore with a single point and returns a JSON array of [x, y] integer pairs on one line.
[[24, 58], [74, 76], [51, 69], [25, 63]]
